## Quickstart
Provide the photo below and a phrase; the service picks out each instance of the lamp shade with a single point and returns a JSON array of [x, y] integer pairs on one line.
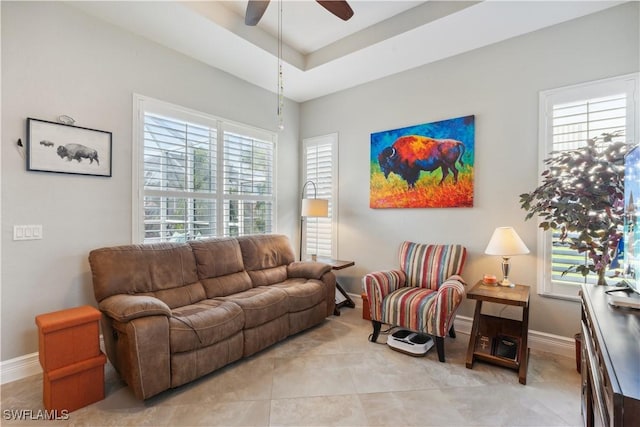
[[506, 242], [315, 207]]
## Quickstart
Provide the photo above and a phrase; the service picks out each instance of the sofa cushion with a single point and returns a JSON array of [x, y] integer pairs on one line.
[[266, 257], [205, 323], [226, 285], [302, 293], [134, 269], [180, 296], [220, 267], [217, 256], [260, 305], [268, 276]]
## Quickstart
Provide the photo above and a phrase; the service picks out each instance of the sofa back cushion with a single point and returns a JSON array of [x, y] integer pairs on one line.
[[220, 267], [266, 257], [166, 271]]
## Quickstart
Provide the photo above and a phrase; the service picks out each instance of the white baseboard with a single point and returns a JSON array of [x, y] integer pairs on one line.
[[537, 340], [27, 365], [24, 366], [19, 367]]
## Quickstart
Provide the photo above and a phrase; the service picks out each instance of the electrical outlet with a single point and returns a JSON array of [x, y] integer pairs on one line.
[[27, 232]]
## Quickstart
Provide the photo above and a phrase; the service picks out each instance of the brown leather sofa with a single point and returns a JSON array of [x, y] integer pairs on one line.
[[173, 312]]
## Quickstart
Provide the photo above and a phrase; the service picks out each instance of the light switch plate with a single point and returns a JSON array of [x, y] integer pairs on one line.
[[27, 232]]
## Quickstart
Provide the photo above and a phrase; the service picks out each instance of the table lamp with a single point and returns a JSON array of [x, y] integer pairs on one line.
[[505, 242], [311, 208]]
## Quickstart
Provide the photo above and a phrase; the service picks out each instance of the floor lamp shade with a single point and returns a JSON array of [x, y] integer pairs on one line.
[[315, 207], [311, 208]]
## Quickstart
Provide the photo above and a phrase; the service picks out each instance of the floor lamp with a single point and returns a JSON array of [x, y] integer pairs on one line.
[[311, 208]]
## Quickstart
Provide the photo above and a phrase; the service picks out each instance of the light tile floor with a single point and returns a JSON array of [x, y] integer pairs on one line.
[[331, 375]]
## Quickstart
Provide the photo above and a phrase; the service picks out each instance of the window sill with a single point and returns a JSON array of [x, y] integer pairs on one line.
[[574, 298]]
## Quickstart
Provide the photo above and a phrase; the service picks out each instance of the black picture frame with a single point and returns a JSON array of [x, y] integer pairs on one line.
[[62, 148]]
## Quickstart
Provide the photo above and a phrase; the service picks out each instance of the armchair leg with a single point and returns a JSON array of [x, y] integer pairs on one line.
[[452, 331], [376, 330], [440, 348]]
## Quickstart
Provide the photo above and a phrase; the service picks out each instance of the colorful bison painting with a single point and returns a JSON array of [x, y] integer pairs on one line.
[[424, 166]]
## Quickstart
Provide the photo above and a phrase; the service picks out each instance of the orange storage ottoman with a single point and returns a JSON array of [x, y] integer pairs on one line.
[[74, 386], [69, 352], [68, 336]]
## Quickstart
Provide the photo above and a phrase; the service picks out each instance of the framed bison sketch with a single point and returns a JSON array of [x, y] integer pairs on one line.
[[62, 148], [424, 166]]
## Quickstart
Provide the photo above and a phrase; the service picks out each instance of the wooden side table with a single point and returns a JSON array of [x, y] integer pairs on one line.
[[499, 340], [342, 298]]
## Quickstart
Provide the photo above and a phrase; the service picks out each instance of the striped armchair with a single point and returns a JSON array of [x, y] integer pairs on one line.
[[423, 295]]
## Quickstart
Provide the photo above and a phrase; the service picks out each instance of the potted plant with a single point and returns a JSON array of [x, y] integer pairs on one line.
[[582, 197]]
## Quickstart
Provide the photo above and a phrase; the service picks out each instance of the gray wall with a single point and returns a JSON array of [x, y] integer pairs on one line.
[[500, 85], [57, 60]]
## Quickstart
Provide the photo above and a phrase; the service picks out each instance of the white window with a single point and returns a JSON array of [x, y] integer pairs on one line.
[[570, 116], [320, 166], [196, 175]]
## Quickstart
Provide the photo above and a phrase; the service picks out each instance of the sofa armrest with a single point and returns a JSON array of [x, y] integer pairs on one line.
[[124, 308], [378, 285], [307, 269], [143, 355], [329, 281], [450, 294]]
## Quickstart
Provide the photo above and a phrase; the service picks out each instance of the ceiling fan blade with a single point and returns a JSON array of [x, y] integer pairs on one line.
[[339, 8], [255, 10]]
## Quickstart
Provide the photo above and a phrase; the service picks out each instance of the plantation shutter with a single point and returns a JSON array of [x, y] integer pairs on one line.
[[573, 123], [248, 182], [320, 167], [201, 176], [179, 180]]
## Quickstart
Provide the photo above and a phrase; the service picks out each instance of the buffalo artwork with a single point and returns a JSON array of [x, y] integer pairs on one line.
[[78, 152], [414, 153], [64, 148], [428, 165]]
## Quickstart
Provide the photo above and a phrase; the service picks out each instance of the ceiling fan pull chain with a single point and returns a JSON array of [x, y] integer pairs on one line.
[[280, 76]]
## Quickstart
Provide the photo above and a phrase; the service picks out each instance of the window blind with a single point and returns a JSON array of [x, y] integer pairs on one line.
[[179, 180], [320, 168], [248, 185], [204, 177]]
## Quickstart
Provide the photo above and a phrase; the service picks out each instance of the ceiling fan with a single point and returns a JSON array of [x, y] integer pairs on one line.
[[256, 8]]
